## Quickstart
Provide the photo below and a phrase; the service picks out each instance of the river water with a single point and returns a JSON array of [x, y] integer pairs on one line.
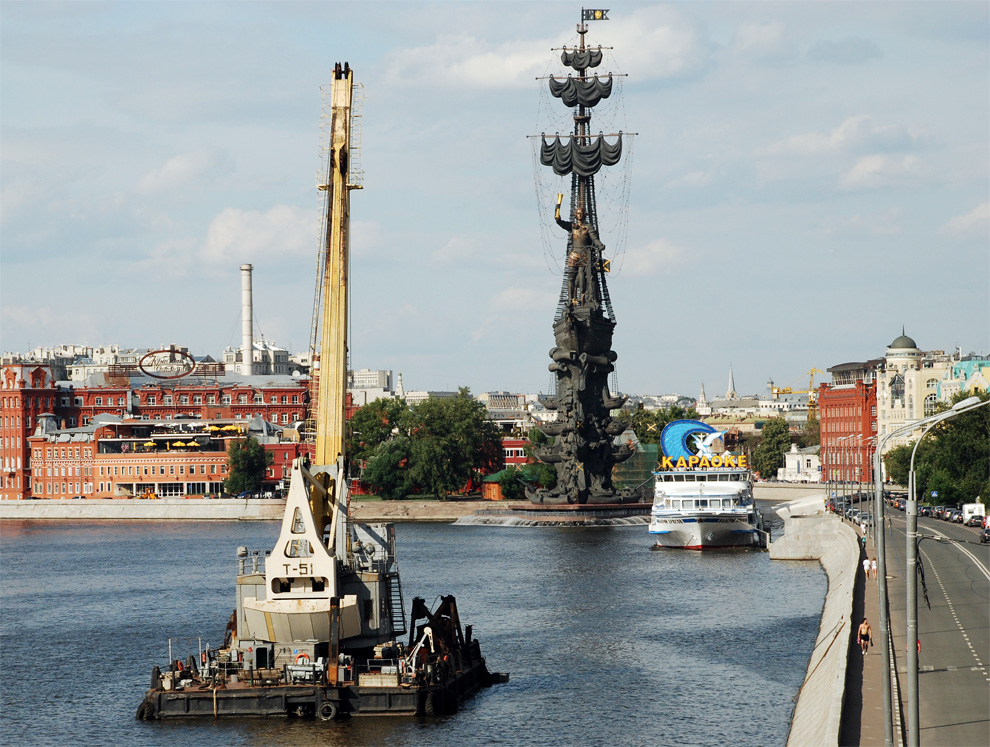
[[606, 641]]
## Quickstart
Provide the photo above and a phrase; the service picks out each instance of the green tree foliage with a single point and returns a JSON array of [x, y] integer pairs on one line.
[[247, 461], [649, 424], [953, 459], [437, 447], [811, 434], [372, 425], [538, 473], [387, 469], [768, 457], [451, 443]]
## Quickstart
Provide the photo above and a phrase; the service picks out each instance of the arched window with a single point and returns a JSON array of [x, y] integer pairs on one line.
[[930, 401], [897, 387]]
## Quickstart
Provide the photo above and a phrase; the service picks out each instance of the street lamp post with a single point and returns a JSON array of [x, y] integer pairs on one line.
[[912, 565]]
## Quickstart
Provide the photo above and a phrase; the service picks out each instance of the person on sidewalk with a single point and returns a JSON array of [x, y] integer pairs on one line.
[[864, 635], [866, 567], [873, 568]]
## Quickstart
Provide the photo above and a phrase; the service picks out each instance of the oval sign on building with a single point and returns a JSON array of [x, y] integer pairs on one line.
[[167, 364]]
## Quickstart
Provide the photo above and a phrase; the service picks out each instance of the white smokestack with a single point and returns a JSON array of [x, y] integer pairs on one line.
[[247, 314]]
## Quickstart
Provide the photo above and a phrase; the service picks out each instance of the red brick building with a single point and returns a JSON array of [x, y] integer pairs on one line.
[[29, 390], [848, 420]]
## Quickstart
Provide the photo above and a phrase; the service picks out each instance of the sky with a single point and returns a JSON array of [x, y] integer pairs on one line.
[[806, 179]]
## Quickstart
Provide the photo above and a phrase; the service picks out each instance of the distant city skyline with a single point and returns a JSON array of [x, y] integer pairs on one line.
[[806, 180]]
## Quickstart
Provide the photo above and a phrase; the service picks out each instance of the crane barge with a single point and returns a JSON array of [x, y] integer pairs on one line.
[[318, 625]]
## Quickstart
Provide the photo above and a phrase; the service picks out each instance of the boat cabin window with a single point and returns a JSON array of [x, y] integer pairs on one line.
[[298, 548], [702, 503], [298, 526]]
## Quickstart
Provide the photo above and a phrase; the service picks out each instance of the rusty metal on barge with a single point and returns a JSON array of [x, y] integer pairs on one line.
[[317, 626]]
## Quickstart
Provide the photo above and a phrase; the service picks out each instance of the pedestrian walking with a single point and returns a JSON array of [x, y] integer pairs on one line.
[[866, 567], [864, 636], [873, 568]]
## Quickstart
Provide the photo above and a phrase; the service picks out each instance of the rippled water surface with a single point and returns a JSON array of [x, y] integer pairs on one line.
[[606, 641]]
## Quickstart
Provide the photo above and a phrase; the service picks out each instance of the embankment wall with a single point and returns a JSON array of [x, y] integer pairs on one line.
[[825, 538], [163, 509], [227, 509]]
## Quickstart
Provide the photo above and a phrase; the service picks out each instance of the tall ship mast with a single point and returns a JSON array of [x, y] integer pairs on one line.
[[583, 451], [319, 618]]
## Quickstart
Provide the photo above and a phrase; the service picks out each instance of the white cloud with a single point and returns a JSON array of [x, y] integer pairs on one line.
[[36, 324], [651, 257], [237, 236], [974, 224], [181, 170], [656, 43], [881, 171], [520, 299], [692, 179], [858, 134], [764, 42]]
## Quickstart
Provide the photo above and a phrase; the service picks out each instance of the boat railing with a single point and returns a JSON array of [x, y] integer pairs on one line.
[[251, 562]]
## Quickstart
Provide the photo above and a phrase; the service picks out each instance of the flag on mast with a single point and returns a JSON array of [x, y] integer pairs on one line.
[[600, 14]]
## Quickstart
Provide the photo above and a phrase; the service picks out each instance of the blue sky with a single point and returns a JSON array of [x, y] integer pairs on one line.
[[806, 178]]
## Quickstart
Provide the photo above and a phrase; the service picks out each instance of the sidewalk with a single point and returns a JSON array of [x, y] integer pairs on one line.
[[862, 713]]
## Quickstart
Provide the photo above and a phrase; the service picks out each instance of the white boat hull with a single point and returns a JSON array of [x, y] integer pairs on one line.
[[704, 531]]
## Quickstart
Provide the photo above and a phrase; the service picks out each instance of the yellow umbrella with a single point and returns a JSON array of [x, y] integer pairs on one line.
[[213, 428], [149, 443], [178, 443], [193, 443]]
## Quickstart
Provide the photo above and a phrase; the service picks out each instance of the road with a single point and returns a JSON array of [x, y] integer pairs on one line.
[[954, 663]]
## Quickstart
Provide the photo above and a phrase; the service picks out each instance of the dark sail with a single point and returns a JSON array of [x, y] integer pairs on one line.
[[570, 156], [584, 91], [581, 59]]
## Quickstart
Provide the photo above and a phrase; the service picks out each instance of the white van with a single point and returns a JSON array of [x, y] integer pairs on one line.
[[970, 510]]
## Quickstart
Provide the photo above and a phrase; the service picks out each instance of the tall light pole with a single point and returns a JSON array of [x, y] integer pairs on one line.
[[912, 565]]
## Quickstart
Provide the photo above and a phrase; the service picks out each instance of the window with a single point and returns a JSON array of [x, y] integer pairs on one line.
[[211, 400], [99, 400], [184, 399], [295, 399], [242, 399], [274, 400], [152, 399], [198, 399], [285, 399], [167, 399], [120, 401], [930, 402], [225, 399]]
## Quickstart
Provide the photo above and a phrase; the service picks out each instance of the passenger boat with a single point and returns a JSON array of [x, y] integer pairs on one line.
[[703, 495], [702, 508]]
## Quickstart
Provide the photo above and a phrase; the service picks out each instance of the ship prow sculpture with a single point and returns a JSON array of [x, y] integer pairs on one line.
[[583, 451]]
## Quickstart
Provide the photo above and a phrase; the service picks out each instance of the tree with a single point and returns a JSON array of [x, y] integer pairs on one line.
[[953, 459], [649, 424], [811, 434], [387, 470], [451, 442], [539, 473], [768, 457], [247, 461], [372, 425]]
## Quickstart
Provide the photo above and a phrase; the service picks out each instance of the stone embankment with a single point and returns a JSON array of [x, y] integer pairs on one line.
[[228, 509], [811, 534], [161, 509]]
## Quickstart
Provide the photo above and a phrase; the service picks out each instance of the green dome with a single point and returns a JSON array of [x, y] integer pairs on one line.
[[903, 343]]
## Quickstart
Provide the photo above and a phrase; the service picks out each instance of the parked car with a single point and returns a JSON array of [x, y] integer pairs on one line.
[[975, 521], [985, 535], [955, 516]]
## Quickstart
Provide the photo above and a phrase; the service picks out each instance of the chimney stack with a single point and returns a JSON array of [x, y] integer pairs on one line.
[[247, 314]]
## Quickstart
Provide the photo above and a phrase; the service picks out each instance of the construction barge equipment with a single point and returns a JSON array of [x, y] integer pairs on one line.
[[318, 620]]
